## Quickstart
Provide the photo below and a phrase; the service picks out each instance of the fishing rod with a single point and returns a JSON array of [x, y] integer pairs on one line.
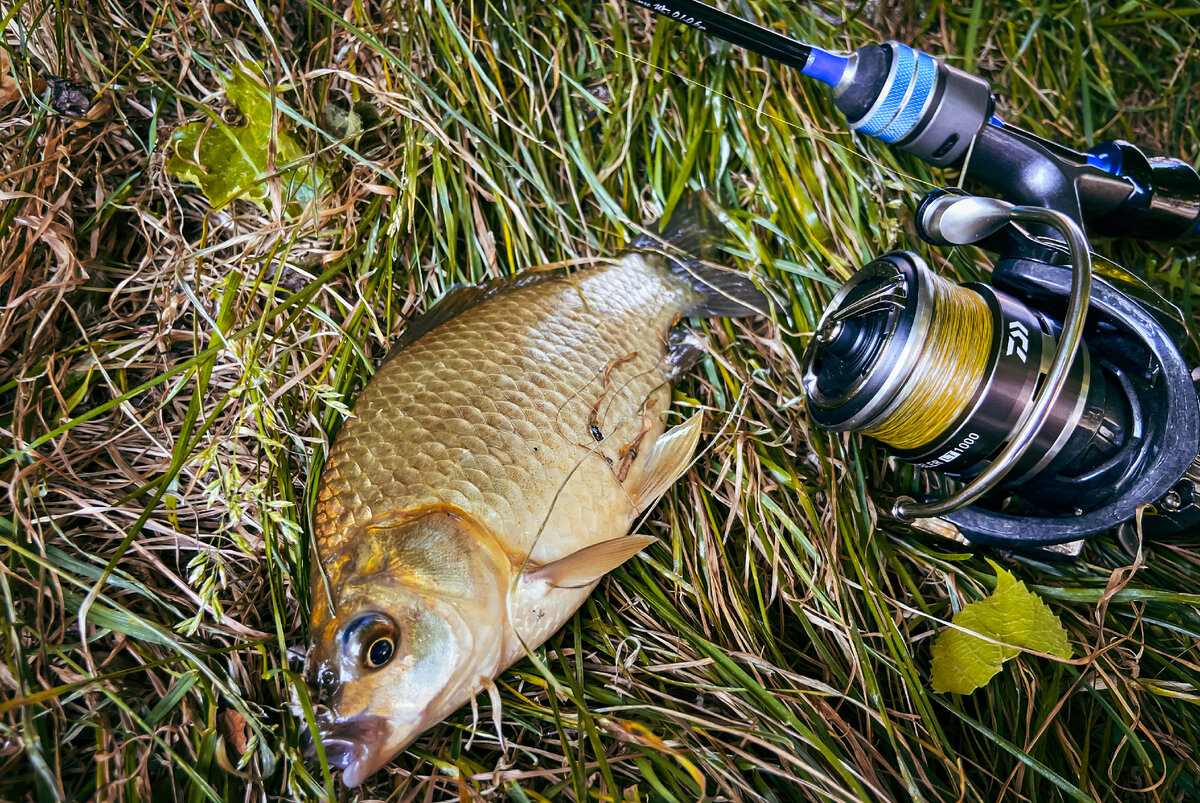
[[925, 107], [1057, 393]]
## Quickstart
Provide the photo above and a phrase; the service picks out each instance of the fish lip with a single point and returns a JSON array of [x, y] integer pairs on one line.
[[357, 745]]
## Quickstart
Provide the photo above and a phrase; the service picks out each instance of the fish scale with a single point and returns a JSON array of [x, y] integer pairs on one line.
[[422, 435]]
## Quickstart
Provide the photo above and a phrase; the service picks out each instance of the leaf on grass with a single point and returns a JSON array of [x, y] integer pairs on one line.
[[227, 154], [233, 728], [1013, 615], [9, 90]]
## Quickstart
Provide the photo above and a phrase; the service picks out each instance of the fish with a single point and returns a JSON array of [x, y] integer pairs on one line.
[[490, 474]]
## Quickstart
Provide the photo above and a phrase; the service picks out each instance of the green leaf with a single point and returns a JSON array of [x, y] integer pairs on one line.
[[226, 154], [1014, 616]]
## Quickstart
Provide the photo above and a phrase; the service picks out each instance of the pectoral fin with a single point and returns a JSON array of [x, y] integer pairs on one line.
[[590, 563], [669, 457]]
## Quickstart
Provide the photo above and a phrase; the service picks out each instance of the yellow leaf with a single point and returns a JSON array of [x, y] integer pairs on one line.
[[1014, 616], [228, 158]]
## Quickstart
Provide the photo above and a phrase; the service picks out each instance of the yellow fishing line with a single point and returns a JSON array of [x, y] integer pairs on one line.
[[951, 366]]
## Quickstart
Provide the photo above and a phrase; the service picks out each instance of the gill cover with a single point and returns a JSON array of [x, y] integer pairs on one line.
[[404, 651]]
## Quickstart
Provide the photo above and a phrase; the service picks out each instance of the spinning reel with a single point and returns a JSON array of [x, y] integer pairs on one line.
[[1057, 393]]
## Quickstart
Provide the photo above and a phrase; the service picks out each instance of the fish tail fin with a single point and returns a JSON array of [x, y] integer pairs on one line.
[[691, 229]]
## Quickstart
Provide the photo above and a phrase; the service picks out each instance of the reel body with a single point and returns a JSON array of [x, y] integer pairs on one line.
[[947, 376]]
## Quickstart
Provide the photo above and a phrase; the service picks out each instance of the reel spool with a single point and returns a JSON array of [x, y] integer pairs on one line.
[[943, 374], [999, 387]]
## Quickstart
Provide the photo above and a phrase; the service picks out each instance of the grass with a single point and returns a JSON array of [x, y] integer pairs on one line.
[[170, 378]]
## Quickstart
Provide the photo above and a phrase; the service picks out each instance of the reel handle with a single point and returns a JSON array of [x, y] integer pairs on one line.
[[941, 114]]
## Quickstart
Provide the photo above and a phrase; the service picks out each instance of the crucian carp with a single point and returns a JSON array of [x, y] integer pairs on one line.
[[490, 475]]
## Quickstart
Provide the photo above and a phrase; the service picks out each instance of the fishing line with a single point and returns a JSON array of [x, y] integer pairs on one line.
[[818, 134], [954, 356]]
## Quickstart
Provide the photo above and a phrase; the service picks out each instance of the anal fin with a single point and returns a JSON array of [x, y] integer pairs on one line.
[[666, 462], [589, 564]]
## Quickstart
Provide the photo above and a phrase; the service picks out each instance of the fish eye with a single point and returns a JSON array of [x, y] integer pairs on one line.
[[370, 640], [379, 653]]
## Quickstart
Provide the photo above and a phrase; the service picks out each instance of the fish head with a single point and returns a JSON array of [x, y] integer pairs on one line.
[[393, 656], [387, 670]]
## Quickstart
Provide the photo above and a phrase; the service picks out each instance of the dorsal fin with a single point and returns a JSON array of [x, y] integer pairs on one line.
[[691, 228], [462, 297]]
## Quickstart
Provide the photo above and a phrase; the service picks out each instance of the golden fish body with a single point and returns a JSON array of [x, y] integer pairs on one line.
[[485, 483]]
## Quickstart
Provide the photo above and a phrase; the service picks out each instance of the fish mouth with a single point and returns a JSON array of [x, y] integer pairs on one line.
[[356, 745]]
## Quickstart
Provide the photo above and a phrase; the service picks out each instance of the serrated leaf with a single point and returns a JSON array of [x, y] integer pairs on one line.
[[228, 160], [1012, 615]]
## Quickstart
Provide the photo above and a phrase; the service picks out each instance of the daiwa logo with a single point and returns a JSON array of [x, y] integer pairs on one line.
[[1018, 341]]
